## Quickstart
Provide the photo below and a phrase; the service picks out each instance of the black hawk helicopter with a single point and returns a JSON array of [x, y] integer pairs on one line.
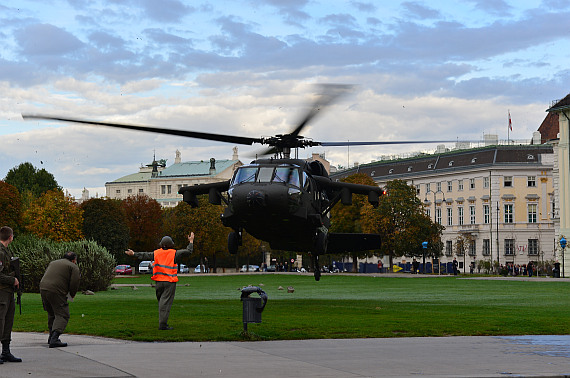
[[281, 200]]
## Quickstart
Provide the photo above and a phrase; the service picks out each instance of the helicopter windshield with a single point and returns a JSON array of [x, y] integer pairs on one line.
[[284, 174], [245, 174]]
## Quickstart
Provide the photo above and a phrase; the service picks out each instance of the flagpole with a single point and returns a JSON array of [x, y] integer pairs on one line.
[[509, 127]]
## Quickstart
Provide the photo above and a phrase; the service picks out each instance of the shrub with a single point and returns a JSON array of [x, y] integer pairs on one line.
[[95, 263]]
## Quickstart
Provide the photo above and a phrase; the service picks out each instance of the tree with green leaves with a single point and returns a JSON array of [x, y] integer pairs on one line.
[[11, 205], [29, 179], [144, 220], [348, 219], [105, 222], [54, 216], [401, 220]]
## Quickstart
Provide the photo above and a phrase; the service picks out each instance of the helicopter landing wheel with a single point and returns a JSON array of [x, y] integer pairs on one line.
[[233, 242]]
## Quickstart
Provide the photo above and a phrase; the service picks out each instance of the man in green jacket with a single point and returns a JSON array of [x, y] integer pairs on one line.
[[60, 282], [8, 282]]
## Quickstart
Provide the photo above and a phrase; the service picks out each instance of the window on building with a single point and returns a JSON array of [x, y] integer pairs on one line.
[[438, 186], [531, 181], [428, 187], [438, 215], [169, 189], [141, 190], [163, 189], [533, 247], [460, 215], [460, 185], [129, 191], [472, 183], [486, 247], [450, 216], [472, 214], [486, 214], [532, 213], [485, 182], [509, 247], [118, 191], [450, 186], [508, 181], [472, 248], [448, 248], [428, 213], [508, 213], [418, 191]]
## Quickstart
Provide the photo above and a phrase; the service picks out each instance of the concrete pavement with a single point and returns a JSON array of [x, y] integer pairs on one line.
[[86, 356]]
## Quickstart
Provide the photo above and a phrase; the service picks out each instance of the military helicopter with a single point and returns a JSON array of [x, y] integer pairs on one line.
[[281, 200]]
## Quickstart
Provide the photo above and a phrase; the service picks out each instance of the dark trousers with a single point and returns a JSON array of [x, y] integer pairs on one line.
[[165, 295], [57, 308], [7, 309]]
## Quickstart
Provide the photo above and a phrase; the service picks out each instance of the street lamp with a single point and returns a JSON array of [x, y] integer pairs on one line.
[[563, 245], [424, 246]]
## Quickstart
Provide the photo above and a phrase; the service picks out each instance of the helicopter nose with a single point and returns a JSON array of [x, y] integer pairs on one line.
[[256, 198]]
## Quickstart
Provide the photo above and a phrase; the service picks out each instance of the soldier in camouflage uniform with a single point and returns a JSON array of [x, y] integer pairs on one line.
[[8, 283]]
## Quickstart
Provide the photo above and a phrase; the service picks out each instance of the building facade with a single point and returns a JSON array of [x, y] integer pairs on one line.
[[162, 182], [498, 198]]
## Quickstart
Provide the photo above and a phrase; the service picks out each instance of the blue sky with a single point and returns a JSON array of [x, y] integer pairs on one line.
[[420, 70]]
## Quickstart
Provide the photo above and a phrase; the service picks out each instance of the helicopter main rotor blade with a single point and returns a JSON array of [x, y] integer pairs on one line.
[[188, 134], [330, 93], [348, 143]]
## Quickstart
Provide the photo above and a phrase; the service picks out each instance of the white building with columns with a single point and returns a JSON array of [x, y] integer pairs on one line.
[[162, 182]]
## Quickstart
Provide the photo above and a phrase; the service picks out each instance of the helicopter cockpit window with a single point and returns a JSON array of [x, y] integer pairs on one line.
[[294, 177], [265, 174], [281, 174], [245, 174]]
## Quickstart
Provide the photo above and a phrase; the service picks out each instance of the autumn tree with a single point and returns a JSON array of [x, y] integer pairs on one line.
[[144, 220], [210, 234], [54, 216], [348, 219], [400, 219], [11, 205], [105, 222], [28, 178]]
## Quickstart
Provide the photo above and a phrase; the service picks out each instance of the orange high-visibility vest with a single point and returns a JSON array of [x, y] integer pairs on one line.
[[164, 268]]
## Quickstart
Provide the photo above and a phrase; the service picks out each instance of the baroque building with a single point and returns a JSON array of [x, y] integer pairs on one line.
[[499, 197], [162, 182]]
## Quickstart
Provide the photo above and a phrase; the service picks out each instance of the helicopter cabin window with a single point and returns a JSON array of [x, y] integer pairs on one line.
[[245, 174]]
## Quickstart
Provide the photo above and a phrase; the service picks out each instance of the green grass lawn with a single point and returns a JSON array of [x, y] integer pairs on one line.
[[338, 306]]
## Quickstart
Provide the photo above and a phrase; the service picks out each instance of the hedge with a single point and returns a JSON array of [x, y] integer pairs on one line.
[[96, 264]]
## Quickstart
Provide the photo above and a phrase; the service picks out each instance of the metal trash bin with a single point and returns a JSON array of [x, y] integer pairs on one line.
[[252, 307]]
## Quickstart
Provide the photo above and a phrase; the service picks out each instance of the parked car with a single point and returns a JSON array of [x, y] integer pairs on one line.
[[183, 268], [252, 268], [271, 268], [123, 269], [145, 267], [200, 269]]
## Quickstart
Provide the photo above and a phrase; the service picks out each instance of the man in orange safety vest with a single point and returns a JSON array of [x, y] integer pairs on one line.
[[165, 273]]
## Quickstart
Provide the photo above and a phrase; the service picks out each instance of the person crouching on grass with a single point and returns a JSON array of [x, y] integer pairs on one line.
[[59, 283], [165, 273]]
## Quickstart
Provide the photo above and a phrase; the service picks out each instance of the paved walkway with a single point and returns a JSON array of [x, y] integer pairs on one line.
[[86, 356]]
